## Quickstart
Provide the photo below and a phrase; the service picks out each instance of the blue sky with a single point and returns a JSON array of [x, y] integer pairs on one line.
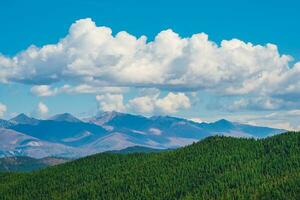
[[25, 23]]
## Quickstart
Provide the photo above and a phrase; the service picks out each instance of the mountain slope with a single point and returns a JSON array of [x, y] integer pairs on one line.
[[5, 123], [13, 143], [215, 168], [177, 127], [65, 132], [23, 164], [24, 119], [136, 149], [65, 117]]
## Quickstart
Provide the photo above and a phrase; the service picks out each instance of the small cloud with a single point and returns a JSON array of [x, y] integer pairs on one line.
[[170, 104], [43, 90], [196, 119], [173, 102], [111, 102], [143, 104], [42, 109], [3, 109]]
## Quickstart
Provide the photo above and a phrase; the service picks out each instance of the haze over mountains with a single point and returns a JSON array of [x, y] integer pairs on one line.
[[64, 135]]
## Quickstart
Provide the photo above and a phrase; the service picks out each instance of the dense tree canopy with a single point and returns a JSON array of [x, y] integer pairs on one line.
[[214, 168]]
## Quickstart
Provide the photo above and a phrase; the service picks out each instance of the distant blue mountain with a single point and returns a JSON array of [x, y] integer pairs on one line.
[[172, 126], [23, 119], [65, 117], [128, 121], [13, 143], [111, 131], [68, 130], [5, 123]]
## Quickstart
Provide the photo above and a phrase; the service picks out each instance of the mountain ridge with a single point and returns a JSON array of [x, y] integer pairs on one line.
[[23, 119], [114, 131], [64, 117]]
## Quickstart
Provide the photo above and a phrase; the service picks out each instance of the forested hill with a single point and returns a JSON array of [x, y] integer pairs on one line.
[[215, 168]]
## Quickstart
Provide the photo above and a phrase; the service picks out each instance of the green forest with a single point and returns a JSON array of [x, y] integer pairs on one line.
[[217, 167]]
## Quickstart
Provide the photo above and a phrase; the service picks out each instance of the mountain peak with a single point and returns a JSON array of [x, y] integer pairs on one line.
[[104, 117], [66, 117], [110, 114], [167, 117], [23, 119], [222, 123]]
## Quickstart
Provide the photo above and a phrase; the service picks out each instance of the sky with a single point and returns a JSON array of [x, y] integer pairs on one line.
[[201, 60]]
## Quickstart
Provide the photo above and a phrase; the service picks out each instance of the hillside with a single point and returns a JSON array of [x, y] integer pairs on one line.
[[215, 168], [136, 149], [22, 163], [26, 164]]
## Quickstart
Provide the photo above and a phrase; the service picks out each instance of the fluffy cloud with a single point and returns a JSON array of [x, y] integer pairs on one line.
[[90, 58], [170, 104], [143, 104], [92, 54], [42, 109], [3, 109], [111, 102], [147, 104], [43, 90]]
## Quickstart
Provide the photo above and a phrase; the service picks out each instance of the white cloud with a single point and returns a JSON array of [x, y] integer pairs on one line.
[[170, 104], [258, 103], [91, 54], [42, 109], [173, 102], [147, 104], [43, 90], [196, 119], [3, 109], [111, 102], [143, 104], [288, 120], [84, 88], [46, 90], [90, 59]]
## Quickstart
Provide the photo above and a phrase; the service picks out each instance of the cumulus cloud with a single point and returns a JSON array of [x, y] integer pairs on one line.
[[143, 104], [42, 109], [3, 109], [170, 104], [43, 90], [111, 102], [90, 59], [148, 104], [92, 54]]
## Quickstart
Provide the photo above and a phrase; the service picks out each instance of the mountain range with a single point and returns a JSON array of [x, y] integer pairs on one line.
[[64, 135]]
